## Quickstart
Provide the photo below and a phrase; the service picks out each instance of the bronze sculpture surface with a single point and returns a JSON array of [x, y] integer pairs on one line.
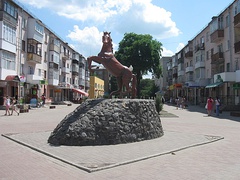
[[124, 75]]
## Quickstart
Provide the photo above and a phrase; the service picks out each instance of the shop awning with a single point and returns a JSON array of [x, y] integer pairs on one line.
[[214, 85], [12, 78], [80, 91]]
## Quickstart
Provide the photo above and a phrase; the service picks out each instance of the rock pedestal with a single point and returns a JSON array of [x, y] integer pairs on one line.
[[108, 121]]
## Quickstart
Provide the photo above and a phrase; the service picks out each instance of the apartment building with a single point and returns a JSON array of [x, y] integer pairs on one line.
[[97, 87], [162, 83], [35, 60], [209, 65], [102, 73]]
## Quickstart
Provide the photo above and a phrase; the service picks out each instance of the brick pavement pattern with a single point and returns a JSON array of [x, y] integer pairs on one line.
[[219, 160]]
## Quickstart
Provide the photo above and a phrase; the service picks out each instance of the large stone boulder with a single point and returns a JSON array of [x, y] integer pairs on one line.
[[108, 121]]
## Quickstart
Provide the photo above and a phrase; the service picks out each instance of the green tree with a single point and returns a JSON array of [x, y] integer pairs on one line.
[[148, 88], [140, 51]]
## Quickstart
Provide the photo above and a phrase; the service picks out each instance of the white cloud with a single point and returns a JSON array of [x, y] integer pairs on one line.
[[89, 40], [123, 16], [117, 16], [167, 52], [180, 47]]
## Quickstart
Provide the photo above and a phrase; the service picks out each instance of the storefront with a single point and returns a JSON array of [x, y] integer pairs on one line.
[[10, 87]]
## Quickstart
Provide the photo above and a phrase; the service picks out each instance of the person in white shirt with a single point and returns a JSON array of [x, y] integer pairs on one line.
[[217, 103], [7, 104]]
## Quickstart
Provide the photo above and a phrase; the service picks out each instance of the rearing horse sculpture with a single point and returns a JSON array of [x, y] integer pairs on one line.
[[123, 74]]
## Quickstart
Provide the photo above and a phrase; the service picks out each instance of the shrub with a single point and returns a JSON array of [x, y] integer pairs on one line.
[[158, 103]]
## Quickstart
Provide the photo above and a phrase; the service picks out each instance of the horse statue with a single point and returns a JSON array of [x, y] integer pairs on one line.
[[124, 75]]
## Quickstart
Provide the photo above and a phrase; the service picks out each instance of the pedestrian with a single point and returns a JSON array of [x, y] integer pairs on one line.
[[163, 99], [183, 102], [210, 103], [217, 103], [177, 102], [14, 106], [43, 99], [7, 104]]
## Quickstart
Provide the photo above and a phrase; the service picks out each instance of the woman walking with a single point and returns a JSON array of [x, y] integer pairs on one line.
[[13, 106], [7, 104], [210, 103]]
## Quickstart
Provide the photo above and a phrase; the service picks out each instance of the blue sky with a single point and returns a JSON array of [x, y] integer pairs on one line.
[[81, 22]]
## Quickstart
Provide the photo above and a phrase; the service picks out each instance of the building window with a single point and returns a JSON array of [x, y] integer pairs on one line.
[[24, 23], [9, 33], [45, 56], [39, 72], [228, 67], [30, 70], [207, 36], [10, 9], [236, 65], [228, 45], [46, 38], [31, 48], [45, 74], [8, 60], [39, 28], [23, 45], [227, 20]]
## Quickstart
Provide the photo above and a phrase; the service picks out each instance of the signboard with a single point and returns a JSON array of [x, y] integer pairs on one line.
[[236, 86]]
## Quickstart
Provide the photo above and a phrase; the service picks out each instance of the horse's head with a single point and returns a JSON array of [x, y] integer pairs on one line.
[[106, 38]]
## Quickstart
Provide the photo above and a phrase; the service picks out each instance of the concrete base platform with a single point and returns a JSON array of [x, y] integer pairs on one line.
[[96, 158]]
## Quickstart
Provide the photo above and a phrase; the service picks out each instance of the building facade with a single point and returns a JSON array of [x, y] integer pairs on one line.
[[35, 60], [96, 88], [209, 65]]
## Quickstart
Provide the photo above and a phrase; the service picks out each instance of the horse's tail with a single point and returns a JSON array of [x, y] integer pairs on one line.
[[134, 86]]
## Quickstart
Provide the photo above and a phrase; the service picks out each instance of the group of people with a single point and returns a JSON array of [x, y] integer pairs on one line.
[[210, 104], [180, 102], [10, 103]]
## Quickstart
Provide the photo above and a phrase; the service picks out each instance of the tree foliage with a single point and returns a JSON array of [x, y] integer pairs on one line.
[[142, 52], [148, 88]]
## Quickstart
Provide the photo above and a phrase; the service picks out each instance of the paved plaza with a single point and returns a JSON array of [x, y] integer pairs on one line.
[[194, 146]]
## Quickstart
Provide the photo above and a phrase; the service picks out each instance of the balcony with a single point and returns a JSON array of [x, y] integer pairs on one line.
[[189, 54], [75, 58], [237, 47], [181, 73], [33, 79], [199, 64], [34, 58], [54, 47], [217, 36], [238, 76], [65, 56], [65, 70], [237, 20], [53, 82], [174, 64], [75, 70], [189, 69], [53, 77], [200, 47], [217, 58], [7, 18]]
